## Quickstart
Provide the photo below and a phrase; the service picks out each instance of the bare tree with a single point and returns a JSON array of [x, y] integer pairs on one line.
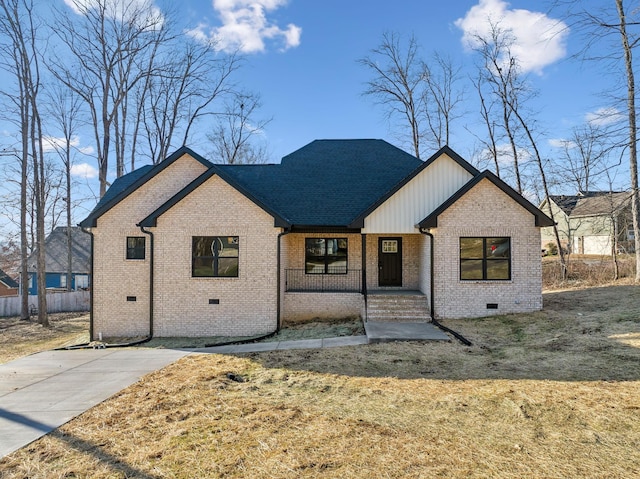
[[490, 144], [597, 24], [398, 83], [181, 91], [234, 137], [65, 110], [500, 75], [111, 44], [422, 97], [443, 98], [585, 156], [21, 59]]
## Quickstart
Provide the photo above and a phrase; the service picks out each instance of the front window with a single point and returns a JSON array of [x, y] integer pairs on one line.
[[135, 247], [215, 256], [325, 255], [485, 258]]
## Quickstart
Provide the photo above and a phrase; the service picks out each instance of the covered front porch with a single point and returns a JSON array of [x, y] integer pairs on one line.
[[333, 274]]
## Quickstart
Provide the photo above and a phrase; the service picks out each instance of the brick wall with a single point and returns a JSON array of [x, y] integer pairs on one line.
[[308, 306], [247, 304], [487, 211], [115, 278]]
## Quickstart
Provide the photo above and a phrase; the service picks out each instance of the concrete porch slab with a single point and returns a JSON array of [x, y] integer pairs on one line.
[[380, 332]]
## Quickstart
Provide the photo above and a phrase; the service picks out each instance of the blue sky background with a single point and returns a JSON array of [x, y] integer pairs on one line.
[[313, 89], [302, 58]]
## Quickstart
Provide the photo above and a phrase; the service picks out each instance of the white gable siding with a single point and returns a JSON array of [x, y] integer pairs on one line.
[[418, 198]]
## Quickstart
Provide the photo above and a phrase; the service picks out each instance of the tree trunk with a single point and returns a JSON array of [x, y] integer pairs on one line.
[[633, 152]]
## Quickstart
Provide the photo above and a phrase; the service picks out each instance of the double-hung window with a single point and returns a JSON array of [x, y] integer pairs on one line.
[[325, 255], [215, 256], [485, 258], [135, 247]]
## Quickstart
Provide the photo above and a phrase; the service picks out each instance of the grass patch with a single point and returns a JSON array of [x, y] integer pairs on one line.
[[550, 394], [21, 338]]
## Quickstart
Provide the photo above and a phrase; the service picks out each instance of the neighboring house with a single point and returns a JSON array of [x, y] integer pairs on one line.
[[56, 261], [191, 248], [589, 222], [8, 287]]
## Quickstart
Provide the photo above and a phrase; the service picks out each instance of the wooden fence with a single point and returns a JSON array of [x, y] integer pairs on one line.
[[56, 303]]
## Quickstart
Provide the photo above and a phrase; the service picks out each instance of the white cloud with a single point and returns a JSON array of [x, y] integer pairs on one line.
[[538, 39], [143, 12], [561, 143], [50, 143], [84, 170], [245, 27], [604, 116]]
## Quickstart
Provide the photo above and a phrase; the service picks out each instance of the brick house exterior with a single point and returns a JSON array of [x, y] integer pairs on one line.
[[191, 248]]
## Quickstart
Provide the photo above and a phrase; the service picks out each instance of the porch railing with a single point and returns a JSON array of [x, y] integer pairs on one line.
[[297, 280]]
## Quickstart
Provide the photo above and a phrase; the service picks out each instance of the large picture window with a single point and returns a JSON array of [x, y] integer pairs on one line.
[[215, 256], [135, 247], [325, 255], [487, 259]]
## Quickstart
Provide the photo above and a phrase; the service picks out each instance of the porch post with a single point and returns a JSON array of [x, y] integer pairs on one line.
[[364, 272], [364, 265]]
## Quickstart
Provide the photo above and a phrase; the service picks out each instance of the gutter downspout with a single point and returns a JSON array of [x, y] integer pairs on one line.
[[458, 336], [88, 231], [150, 233], [279, 280]]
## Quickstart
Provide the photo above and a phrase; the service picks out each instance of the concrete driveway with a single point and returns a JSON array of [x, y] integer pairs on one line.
[[39, 393]]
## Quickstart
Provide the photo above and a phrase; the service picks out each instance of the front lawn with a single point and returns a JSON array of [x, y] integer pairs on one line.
[[549, 394]]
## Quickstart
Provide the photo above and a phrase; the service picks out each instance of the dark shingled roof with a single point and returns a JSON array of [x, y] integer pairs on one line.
[[56, 251], [6, 279], [327, 182]]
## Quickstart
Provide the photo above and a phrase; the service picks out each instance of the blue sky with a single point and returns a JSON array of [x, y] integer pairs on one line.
[[301, 57], [312, 85]]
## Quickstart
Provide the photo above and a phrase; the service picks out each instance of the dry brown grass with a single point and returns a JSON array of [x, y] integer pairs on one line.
[[584, 271], [551, 394], [21, 338]]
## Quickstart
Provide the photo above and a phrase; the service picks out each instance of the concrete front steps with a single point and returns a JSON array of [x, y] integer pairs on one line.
[[397, 306]]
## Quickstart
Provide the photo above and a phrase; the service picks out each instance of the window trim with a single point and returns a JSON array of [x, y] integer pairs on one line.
[[485, 260], [326, 256], [130, 253], [215, 257]]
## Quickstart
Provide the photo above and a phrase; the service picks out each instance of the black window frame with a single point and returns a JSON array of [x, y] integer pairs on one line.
[[215, 257], [486, 259], [137, 251], [327, 268]]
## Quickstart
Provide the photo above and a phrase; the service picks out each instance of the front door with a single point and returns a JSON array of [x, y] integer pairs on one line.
[[390, 262]]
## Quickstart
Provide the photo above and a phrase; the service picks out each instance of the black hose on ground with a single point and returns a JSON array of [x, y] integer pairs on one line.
[[458, 336]]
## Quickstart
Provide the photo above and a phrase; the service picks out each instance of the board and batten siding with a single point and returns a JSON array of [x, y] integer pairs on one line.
[[415, 200]]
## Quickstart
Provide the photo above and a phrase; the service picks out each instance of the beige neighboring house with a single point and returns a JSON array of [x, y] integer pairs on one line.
[[591, 222], [339, 228]]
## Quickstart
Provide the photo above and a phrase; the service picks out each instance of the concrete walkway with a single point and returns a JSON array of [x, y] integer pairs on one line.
[[41, 392]]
